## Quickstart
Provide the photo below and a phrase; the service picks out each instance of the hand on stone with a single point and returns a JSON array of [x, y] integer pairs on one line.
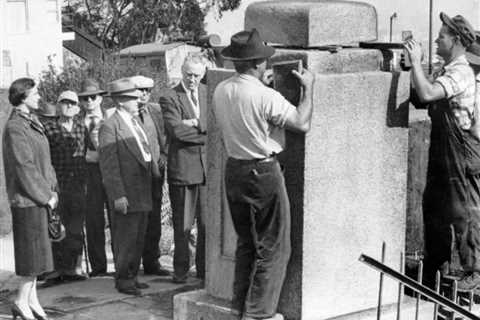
[[53, 201], [306, 77], [267, 77], [414, 50], [190, 122], [121, 205]]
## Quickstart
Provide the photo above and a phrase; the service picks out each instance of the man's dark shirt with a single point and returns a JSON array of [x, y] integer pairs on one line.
[[67, 151]]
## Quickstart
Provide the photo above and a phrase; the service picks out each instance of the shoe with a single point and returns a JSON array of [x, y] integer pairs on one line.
[[130, 290], [141, 285], [97, 273], [16, 312], [74, 277], [156, 272], [53, 282], [37, 316], [179, 280], [469, 282]]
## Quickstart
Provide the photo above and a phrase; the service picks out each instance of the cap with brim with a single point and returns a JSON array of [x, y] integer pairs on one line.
[[247, 45], [142, 82], [473, 52], [90, 87], [461, 26], [124, 87], [68, 95]]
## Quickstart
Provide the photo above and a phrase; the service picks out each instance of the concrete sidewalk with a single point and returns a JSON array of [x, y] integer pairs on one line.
[[96, 298]]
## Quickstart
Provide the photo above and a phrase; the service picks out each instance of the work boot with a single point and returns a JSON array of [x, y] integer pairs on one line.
[[469, 282]]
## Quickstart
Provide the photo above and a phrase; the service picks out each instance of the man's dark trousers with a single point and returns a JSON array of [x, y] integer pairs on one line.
[[95, 219], [151, 250], [71, 208], [188, 203], [260, 212], [129, 238]]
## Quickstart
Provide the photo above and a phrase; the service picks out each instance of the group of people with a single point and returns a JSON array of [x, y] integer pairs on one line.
[[89, 159], [85, 160]]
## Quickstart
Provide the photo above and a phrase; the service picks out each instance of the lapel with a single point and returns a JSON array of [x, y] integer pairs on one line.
[[202, 101], [129, 139], [186, 105]]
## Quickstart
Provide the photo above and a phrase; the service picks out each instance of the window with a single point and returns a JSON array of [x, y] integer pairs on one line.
[[17, 16], [52, 11]]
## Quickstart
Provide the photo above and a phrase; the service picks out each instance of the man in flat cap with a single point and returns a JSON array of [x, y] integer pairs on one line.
[[253, 118], [66, 136], [151, 117], [452, 193], [125, 159], [91, 97], [184, 112]]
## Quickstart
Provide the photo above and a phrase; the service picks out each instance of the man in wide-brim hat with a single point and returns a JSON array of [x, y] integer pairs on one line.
[[91, 98], [451, 195], [253, 118], [126, 164]]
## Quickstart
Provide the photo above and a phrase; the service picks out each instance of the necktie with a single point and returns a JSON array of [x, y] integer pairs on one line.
[[141, 112], [194, 98], [138, 129], [93, 123]]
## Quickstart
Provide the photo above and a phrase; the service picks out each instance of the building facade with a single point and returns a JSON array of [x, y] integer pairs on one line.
[[30, 33]]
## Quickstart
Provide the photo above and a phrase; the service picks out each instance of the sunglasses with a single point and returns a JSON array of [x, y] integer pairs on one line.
[[91, 97], [70, 102], [148, 90]]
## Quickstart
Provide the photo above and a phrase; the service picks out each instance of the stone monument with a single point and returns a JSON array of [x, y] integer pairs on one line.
[[346, 178]]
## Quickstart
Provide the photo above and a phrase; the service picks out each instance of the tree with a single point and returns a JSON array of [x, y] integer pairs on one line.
[[121, 23]]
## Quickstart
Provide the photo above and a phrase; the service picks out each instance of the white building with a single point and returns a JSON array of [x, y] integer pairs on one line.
[[411, 15], [30, 32]]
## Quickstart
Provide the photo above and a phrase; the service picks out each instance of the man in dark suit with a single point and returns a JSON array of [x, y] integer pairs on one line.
[[126, 164], [185, 122], [151, 117]]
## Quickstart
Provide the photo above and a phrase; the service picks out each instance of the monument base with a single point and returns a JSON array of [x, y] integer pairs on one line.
[[199, 305]]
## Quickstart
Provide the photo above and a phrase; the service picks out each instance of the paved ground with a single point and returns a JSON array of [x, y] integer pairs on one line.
[[96, 298]]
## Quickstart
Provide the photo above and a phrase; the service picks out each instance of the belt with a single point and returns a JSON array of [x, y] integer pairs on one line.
[[250, 161]]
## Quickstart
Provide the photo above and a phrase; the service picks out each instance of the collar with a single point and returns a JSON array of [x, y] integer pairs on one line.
[[249, 78], [96, 113], [460, 60], [195, 91]]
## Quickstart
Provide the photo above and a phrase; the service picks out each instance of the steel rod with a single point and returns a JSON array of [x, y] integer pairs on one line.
[[417, 287], [380, 285], [454, 295], [470, 300], [400, 286], [430, 37], [419, 280], [437, 290]]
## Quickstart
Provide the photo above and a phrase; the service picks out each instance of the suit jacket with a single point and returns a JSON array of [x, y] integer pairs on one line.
[[186, 144], [154, 128], [30, 177], [124, 171]]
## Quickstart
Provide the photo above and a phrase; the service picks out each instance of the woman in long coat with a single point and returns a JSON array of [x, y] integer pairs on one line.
[[31, 184]]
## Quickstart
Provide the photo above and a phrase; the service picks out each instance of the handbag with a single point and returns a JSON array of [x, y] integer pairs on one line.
[[56, 230]]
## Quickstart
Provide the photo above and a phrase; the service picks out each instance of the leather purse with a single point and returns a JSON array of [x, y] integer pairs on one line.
[[56, 230]]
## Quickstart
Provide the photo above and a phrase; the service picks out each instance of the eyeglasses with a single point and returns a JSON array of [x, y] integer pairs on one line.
[[86, 98], [73, 103], [147, 90]]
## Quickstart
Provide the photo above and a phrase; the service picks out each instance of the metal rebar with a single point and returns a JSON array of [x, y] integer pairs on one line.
[[470, 300], [417, 287], [380, 285], [419, 280], [400, 286], [437, 290], [454, 295]]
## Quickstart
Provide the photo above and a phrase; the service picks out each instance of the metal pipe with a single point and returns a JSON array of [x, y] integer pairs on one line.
[[417, 287], [430, 37], [454, 295], [380, 285], [393, 16], [400, 286], [419, 280]]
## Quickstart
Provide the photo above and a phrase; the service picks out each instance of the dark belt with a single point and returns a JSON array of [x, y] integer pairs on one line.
[[250, 161]]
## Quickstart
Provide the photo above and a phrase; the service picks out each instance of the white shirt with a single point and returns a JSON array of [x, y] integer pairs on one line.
[[196, 107], [251, 117], [127, 117]]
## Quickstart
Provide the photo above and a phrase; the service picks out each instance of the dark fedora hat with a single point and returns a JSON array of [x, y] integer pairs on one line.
[[247, 45], [461, 26], [90, 87], [473, 52]]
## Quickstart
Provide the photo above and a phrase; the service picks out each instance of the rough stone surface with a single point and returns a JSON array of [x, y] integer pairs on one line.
[[5, 216], [342, 61], [312, 23], [199, 305], [346, 181], [355, 190]]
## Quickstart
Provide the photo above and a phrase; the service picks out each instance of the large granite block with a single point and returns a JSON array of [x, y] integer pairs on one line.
[[346, 180], [312, 23]]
